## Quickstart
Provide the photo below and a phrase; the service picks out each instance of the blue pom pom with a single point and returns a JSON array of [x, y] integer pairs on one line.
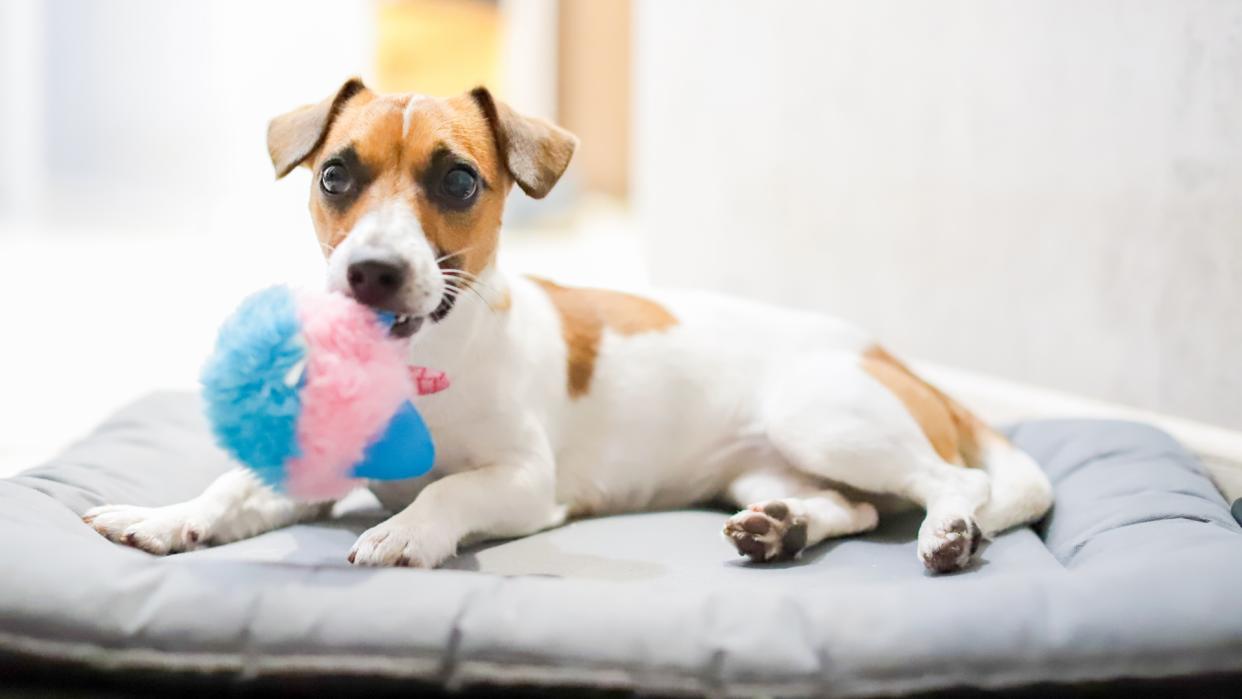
[[403, 450], [251, 404]]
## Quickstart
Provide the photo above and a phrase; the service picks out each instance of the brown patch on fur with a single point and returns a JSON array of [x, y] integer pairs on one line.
[[293, 137], [398, 147], [535, 152], [502, 146], [458, 125], [502, 304], [375, 127], [952, 430], [584, 315]]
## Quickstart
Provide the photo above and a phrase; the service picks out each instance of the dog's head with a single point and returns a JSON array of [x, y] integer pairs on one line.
[[407, 191]]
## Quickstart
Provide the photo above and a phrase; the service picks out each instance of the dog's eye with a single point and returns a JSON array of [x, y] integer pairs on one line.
[[334, 179], [459, 183]]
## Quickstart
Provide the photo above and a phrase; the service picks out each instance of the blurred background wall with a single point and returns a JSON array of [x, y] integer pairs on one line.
[[1042, 190], [1049, 191], [138, 206], [141, 110]]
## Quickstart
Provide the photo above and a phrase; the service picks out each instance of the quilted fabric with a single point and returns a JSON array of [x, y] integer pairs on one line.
[[1134, 574]]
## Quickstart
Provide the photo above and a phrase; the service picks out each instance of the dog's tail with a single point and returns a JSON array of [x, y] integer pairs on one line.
[[1021, 492]]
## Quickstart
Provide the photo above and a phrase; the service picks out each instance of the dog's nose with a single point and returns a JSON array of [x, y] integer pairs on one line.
[[375, 283]]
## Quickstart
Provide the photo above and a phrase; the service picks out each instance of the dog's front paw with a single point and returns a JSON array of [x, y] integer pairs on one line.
[[394, 543], [157, 530]]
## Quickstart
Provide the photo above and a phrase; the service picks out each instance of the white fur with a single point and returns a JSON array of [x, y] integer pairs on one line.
[[391, 233], [236, 506], [737, 400], [407, 115]]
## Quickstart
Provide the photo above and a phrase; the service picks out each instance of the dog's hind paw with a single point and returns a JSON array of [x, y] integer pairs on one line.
[[948, 544], [767, 532]]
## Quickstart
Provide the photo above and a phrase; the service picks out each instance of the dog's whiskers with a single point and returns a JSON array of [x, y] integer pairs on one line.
[[459, 279], [463, 284], [470, 277], [486, 302], [447, 255], [469, 286]]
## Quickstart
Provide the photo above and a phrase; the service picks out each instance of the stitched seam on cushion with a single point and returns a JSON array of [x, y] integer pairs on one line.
[[105, 658], [452, 662], [1090, 535], [425, 668]]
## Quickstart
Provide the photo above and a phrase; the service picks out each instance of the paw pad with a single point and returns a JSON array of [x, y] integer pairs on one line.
[[955, 542], [767, 532]]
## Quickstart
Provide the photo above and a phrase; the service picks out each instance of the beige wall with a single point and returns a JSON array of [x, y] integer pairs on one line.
[[593, 85], [1049, 191]]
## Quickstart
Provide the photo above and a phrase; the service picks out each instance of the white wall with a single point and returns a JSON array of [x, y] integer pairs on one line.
[[1049, 191], [137, 202], [21, 107], [142, 109]]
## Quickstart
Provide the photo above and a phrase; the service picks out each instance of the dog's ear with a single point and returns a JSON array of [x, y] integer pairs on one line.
[[292, 137], [535, 152]]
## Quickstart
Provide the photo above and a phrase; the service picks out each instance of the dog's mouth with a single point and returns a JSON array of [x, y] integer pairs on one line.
[[446, 305], [405, 325]]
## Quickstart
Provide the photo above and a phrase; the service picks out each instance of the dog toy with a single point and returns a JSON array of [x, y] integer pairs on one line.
[[311, 392]]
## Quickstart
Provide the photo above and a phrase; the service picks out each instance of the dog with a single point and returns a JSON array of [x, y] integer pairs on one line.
[[571, 402]]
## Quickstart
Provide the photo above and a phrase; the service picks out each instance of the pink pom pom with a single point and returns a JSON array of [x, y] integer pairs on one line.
[[355, 379]]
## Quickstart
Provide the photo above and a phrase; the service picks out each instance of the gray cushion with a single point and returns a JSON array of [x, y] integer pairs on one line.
[[1135, 574]]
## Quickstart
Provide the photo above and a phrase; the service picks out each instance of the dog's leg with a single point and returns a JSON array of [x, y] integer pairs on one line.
[[952, 496], [833, 421], [506, 499], [236, 506], [786, 512]]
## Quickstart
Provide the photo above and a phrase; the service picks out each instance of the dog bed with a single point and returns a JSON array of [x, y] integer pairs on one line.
[[1136, 574]]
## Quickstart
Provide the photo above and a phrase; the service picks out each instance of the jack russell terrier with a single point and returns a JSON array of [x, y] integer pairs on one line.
[[570, 402]]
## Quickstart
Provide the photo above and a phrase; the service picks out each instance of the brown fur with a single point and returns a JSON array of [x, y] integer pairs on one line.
[[502, 145], [584, 315], [373, 125], [294, 136], [953, 431], [536, 151]]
